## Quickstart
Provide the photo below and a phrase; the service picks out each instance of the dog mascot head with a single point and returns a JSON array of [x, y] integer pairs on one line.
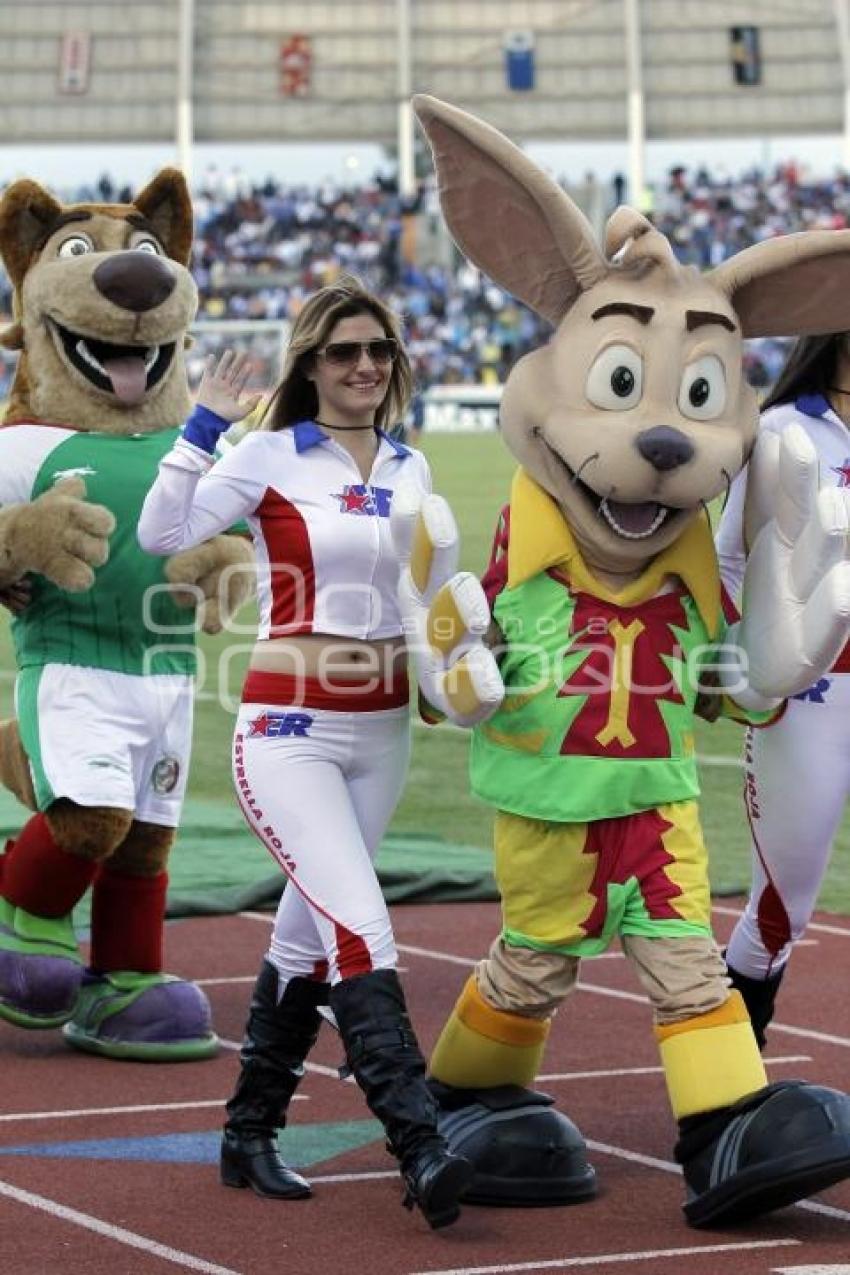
[[103, 300]]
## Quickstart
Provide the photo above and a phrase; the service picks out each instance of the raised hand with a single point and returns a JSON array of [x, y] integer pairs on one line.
[[223, 386], [445, 612], [796, 595]]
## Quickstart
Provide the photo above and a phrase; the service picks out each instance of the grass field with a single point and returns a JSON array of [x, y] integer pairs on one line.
[[473, 472]]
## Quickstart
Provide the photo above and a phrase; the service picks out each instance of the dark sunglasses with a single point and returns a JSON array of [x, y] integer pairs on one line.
[[342, 353]]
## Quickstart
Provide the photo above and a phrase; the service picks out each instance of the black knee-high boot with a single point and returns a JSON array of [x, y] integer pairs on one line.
[[278, 1037], [759, 997], [383, 1054]]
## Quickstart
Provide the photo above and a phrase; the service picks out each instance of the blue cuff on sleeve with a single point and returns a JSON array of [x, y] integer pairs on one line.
[[204, 428]]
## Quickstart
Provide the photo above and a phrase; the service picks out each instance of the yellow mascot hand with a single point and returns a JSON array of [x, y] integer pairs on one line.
[[444, 611]]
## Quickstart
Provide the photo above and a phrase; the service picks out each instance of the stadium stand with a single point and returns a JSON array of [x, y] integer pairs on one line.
[[261, 249]]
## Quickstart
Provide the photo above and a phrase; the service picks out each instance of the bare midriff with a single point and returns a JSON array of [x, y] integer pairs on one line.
[[322, 655]]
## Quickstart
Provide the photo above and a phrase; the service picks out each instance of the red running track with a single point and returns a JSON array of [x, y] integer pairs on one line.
[[131, 1217]]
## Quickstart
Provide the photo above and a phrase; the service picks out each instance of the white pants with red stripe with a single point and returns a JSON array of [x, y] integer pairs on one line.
[[318, 787], [797, 784]]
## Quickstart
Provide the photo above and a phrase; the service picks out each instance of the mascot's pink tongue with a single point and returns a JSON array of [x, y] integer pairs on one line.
[[633, 518], [128, 376]]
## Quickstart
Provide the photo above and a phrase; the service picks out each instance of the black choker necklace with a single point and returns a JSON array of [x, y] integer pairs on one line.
[[836, 389], [350, 429]]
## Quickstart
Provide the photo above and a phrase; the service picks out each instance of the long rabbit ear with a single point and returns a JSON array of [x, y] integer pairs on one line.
[[506, 215], [795, 285]]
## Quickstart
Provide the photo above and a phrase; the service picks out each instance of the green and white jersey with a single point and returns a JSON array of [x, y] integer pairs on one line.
[[128, 621]]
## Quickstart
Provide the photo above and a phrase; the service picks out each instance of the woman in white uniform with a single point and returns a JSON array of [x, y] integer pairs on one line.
[[321, 742], [798, 769]]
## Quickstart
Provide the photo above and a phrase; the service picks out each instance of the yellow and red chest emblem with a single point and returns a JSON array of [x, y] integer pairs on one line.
[[628, 674]]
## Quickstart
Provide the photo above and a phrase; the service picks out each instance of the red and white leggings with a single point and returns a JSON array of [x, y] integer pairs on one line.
[[796, 786], [318, 786]]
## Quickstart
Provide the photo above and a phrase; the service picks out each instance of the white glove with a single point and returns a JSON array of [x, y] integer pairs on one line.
[[444, 611], [796, 593]]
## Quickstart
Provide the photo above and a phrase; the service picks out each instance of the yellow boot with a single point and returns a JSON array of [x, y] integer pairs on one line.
[[481, 1047]]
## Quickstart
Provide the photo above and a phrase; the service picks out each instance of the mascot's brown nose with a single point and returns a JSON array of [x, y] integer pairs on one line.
[[136, 281], [664, 447]]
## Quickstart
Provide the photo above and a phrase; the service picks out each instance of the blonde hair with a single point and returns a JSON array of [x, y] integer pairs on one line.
[[295, 398]]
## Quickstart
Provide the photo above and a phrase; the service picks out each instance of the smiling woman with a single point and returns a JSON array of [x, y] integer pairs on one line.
[[322, 738]]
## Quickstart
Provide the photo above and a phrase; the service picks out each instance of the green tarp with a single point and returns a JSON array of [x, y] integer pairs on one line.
[[218, 867]]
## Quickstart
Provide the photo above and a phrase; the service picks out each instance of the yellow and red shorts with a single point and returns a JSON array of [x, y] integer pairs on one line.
[[571, 887]]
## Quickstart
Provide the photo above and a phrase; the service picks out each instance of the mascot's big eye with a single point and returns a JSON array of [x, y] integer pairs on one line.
[[702, 393], [147, 245], [75, 246], [615, 380]]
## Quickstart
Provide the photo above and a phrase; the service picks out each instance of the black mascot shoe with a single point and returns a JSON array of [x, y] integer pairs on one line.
[[525, 1153], [256, 1162], [779, 1145], [436, 1180]]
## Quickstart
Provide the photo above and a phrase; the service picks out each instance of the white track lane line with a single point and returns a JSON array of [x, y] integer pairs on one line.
[[224, 982], [74, 1112], [570, 1263], [60, 1211], [811, 1270], [807, 1033]]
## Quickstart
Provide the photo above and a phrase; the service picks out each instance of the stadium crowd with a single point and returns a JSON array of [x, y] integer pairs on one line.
[[261, 249]]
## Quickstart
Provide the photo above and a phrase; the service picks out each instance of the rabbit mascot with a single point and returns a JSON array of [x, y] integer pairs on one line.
[[606, 621], [105, 645]]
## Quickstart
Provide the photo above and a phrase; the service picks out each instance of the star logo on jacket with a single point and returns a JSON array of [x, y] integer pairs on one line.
[[273, 725], [358, 498], [843, 472], [815, 694]]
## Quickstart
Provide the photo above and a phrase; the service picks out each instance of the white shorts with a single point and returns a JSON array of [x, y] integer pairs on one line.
[[102, 738]]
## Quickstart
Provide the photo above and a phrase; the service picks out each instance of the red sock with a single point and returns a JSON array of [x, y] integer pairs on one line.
[[7, 850], [39, 876], [126, 922]]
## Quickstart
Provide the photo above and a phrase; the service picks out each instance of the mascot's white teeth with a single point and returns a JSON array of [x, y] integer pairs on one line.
[[151, 356], [626, 533]]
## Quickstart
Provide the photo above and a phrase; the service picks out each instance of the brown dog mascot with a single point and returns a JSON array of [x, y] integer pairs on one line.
[[105, 646], [605, 592]]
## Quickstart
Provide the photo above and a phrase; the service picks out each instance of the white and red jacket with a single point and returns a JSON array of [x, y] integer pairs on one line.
[[326, 562]]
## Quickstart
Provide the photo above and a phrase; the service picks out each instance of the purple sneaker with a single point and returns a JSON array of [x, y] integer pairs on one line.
[[144, 1017], [40, 968]]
